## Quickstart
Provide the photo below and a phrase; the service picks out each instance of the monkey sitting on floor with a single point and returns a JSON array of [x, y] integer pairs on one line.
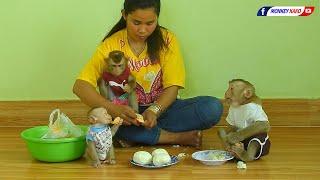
[[99, 137], [246, 135], [117, 84]]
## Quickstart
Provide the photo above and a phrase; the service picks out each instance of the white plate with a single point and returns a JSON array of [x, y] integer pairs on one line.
[[206, 157], [174, 160]]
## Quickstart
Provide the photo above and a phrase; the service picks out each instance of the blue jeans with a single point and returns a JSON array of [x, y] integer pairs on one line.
[[196, 113]]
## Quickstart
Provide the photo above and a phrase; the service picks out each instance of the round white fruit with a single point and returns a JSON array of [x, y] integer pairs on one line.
[[161, 159], [142, 157], [159, 151]]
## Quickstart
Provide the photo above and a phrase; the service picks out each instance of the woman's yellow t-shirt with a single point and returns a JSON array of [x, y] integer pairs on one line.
[[151, 78]]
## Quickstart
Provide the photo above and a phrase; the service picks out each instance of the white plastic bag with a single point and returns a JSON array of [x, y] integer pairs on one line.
[[60, 126]]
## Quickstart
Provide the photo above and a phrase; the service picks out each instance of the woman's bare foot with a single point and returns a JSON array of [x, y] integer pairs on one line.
[[126, 144], [188, 138], [122, 143]]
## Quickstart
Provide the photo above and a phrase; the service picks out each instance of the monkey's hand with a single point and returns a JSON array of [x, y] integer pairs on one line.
[[127, 88], [223, 136]]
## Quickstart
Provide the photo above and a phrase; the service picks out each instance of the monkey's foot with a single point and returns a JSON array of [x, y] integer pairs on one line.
[[96, 164], [109, 161], [239, 152]]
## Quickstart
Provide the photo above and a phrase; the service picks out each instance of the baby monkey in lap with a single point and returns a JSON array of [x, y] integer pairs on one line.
[[246, 135]]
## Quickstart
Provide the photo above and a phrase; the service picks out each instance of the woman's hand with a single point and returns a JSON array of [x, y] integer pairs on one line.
[[124, 112], [167, 97], [150, 119]]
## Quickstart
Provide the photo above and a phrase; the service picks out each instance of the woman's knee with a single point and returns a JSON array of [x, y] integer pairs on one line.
[[210, 110]]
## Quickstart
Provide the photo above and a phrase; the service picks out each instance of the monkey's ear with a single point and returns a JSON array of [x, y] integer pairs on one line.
[[248, 93], [92, 119], [106, 60], [124, 14]]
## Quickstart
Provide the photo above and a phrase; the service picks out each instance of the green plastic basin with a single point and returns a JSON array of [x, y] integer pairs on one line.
[[53, 150]]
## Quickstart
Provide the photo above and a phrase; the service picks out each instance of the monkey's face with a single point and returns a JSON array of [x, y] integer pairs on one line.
[[100, 115], [235, 94], [117, 69]]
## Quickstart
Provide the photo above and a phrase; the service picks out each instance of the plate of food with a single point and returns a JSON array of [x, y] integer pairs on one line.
[[159, 158], [174, 160], [212, 157]]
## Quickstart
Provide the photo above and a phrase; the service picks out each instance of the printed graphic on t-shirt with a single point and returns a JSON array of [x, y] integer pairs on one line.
[[148, 78]]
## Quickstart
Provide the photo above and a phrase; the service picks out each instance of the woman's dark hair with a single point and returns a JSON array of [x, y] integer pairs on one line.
[[155, 41]]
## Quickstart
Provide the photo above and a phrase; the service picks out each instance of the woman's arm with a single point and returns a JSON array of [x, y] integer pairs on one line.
[[88, 95], [173, 78], [167, 97]]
